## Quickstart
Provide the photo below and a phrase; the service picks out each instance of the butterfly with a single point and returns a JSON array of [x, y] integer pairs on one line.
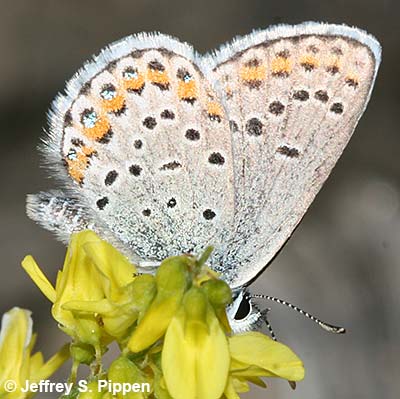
[[164, 151]]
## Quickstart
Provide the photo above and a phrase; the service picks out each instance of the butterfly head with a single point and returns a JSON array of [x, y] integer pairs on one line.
[[243, 314]]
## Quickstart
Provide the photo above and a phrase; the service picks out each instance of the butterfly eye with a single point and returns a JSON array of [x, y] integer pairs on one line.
[[130, 73], [108, 92], [244, 309]]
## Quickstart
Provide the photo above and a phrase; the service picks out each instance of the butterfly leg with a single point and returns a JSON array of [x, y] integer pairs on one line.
[[264, 317], [271, 331]]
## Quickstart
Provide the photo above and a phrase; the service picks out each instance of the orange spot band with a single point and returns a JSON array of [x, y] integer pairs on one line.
[[249, 73], [309, 60], [99, 130], [187, 89], [214, 108], [134, 83], [281, 66], [115, 104], [77, 167], [158, 77]]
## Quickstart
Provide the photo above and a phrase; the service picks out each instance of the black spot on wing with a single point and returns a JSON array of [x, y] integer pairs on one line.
[[216, 159], [167, 114], [102, 202], [171, 165], [106, 138], [171, 203], [138, 144], [135, 170], [290, 152], [276, 108], [192, 135], [111, 177], [254, 127], [321, 95], [301, 95], [337, 108], [146, 212], [150, 122], [208, 214]]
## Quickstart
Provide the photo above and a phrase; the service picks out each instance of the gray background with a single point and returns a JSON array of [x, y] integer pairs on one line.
[[342, 263]]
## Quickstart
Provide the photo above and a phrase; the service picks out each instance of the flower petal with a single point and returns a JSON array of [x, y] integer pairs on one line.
[[240, 385], [32, 268], [230, 391], [78, 281], [195, 358], [251, 370], [52, 365], [111, 263], [259, 350], [15, 338]]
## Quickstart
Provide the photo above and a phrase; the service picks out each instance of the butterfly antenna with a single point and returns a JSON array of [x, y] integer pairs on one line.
[[327, 327]]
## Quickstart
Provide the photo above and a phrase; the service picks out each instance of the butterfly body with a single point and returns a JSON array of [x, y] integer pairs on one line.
[[163, 151]]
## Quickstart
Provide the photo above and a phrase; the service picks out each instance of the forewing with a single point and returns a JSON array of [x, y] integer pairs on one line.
[[294, 96], [147, 148]]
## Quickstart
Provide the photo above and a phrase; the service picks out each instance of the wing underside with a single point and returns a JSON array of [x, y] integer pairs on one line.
[[294, 101], [165, 151]]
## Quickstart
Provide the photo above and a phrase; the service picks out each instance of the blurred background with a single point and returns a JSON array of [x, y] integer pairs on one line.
[[342, 264]]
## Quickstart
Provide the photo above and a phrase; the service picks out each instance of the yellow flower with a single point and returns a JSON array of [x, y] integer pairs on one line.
[[92, 296], [172, 328], [256, 349], [195, 357], [172, 280], [121, 371], [17, 364], [255, 355], [78, 281], [115, 279]]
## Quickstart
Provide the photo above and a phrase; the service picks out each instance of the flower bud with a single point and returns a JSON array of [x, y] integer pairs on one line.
[[195, 307], [220, 295], [82, 353], [123, 371], [142, 291], [173, 275], [218, 292], [172, 279]]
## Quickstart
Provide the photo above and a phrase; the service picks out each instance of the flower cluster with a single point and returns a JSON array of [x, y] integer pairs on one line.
[[171, 328]]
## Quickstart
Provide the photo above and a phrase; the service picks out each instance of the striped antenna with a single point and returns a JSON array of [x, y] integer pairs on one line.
[[327, 327]]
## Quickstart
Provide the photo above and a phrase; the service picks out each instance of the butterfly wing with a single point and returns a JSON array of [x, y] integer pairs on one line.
[[159, 162], [145, 147], [294, 96], [59, 213]]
